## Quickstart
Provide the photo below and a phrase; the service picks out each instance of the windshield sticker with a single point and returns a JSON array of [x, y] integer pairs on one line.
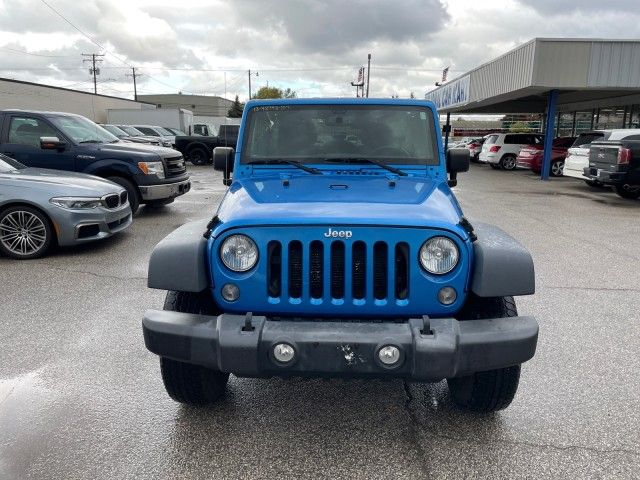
[[272, 108]]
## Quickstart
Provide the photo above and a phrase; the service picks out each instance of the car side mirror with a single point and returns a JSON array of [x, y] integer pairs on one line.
[[223, 162], [52, 143], [458, 160]]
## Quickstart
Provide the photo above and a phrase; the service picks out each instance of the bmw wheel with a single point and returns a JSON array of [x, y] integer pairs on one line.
[[25, 233]]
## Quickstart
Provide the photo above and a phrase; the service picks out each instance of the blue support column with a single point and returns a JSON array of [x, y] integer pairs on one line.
[[552, 104]]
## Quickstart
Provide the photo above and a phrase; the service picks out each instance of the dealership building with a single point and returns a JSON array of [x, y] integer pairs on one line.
[[35, 96], [576, 84]]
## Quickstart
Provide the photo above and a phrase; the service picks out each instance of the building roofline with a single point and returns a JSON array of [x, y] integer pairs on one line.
[[538, 40], [23, 82]]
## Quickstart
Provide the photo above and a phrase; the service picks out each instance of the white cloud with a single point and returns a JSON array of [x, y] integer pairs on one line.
[[312, 46]]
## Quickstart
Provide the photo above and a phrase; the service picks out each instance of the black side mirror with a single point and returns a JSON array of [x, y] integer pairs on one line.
[[52, 143], [458, 160], [223, 162]]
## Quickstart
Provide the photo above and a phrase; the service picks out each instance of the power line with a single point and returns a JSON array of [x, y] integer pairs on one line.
[[23, 52]]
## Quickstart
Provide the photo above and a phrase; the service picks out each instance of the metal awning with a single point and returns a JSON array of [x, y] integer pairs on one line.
[[586, 73]]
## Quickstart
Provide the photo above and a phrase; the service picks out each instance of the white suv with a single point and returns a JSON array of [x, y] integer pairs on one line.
[[500, 150]]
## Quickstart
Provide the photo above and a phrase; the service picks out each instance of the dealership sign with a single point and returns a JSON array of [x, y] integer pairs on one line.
[[452, 94]]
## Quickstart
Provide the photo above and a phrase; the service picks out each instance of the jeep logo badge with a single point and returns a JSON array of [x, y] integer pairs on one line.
[[338, 233]]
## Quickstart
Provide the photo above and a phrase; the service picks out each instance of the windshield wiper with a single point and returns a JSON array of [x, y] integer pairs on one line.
[[366, 160], [280, 161], [91, 141]]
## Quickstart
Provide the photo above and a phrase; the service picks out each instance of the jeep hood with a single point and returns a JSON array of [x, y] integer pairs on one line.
[[339, 200]]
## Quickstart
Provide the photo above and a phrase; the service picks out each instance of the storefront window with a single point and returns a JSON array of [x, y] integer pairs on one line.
[[610, 118], [583, 121], [633, 116], [565, 125]]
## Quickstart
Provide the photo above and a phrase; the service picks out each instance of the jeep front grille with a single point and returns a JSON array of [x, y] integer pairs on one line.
[[355, 269]]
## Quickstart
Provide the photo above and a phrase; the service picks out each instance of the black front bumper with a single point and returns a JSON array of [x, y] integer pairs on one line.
[[330, 348]]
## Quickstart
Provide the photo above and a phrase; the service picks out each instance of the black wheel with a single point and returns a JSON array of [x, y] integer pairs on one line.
[[627, 191], [494, 166], [491, 390], [25, 232], [185, 382], [132, 192], [198, 156], [556, 168], [508, 162]]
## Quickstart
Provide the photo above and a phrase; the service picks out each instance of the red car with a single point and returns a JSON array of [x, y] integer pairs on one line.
[[531, 156]]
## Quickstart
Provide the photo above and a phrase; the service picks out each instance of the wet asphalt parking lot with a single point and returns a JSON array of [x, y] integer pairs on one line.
[[81, 398]]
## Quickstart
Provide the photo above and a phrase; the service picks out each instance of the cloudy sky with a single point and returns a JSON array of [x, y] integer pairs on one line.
[[312, 46]]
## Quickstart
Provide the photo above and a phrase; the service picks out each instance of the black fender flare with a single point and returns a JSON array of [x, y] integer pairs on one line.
[[179, 261], [502, 266]]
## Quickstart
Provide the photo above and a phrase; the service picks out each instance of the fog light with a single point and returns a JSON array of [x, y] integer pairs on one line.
[[284, 353], [230, 292], [447, 295], [389, 355]]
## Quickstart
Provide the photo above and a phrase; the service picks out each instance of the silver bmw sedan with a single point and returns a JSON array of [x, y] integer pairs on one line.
[[41, 208]]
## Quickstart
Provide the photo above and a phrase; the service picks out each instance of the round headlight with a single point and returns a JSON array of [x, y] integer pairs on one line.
[[439, 255], [239, 253]]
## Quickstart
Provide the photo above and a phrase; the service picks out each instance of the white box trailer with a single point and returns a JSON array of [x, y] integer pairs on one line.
[[179, 118]]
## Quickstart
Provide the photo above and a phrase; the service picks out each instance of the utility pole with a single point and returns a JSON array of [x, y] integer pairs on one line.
[[368, 72], [135, 88], [257, 74], [93, 70]]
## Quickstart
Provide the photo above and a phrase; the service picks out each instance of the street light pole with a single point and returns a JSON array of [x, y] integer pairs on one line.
[[368, 72]]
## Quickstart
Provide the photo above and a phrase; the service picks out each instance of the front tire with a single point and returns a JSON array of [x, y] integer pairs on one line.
[[25, 233], [184, 382], [491, 390]]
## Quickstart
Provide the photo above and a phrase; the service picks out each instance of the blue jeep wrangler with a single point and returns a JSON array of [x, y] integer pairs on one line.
[[339, 250]]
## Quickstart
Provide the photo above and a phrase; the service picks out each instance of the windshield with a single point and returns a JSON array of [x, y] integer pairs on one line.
[[175, 131], [132, 131], [393, 134], [163, 131], [82, 130], [112, 129], [8, 165]]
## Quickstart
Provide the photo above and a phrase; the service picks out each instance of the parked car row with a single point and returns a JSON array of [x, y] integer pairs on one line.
[[197, 148], [67, 180], [598, 157]]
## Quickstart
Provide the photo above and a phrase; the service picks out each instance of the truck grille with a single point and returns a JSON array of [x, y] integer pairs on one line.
[[354, 270], [175, 166], [313, 270]]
